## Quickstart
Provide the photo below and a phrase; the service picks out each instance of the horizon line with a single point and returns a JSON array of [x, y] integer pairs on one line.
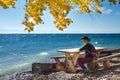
[[66, 33]]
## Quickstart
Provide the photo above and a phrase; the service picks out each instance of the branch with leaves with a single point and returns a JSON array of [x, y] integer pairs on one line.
[[58, 8]]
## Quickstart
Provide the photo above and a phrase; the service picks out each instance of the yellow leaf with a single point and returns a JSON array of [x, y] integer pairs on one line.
[[112, 1]]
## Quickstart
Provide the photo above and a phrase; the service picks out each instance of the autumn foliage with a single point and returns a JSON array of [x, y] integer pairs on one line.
[[58, 8]]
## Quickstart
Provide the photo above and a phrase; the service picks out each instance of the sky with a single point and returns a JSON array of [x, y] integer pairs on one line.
[[109, 22]]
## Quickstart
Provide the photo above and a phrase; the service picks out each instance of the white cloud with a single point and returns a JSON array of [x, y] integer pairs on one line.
[[104, 10]]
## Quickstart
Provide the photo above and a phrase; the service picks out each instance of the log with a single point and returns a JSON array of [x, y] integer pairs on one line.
[[110, 51], [92, 66], [108, 57], [106, 60], [106, 64], [69, 63], [114, 61], [60, 66], [114, 50], [43, 67]]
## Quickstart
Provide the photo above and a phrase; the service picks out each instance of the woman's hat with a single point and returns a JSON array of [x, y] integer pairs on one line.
[[86, 38]]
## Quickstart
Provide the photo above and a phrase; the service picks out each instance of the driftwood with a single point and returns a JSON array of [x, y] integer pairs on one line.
[[43, 67], [105, 57], [108, 57], [114, 61], [109, 52], [106, 60]]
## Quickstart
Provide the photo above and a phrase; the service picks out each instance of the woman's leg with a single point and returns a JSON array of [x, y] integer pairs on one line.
[[82, 61]]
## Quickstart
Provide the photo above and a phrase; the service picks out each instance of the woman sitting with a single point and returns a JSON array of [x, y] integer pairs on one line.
[[89, 50]]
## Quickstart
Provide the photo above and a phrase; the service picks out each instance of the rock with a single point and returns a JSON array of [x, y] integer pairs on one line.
[[43, 67]]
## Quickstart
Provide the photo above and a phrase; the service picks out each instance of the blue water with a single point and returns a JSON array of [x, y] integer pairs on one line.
[[19, 51]]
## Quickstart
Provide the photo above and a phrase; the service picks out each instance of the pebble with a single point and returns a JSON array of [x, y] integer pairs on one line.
[[109, 74]]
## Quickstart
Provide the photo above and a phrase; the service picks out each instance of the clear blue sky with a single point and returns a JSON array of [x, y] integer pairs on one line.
[[108, 22]]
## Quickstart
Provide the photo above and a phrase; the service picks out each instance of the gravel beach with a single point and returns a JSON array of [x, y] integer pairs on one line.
[[112, 73]]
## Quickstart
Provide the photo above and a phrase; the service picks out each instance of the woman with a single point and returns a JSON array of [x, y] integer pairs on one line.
[[89, 53]]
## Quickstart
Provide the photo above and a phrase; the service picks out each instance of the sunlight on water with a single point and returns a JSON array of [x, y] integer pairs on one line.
[[95, 42], [43, 54]]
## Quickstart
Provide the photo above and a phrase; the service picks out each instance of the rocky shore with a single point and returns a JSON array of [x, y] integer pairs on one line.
[[112, 73]]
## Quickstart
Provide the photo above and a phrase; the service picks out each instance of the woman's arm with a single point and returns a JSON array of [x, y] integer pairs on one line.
[[83, 48]]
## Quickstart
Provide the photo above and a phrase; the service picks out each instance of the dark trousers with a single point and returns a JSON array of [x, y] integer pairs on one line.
[[82, 61]]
